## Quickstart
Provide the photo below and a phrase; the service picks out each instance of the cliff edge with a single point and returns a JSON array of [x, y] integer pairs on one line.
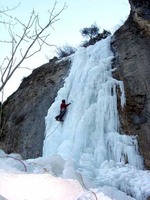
[[131, 46]]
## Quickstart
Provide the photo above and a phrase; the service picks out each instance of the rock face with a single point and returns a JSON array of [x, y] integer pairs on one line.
[[140, 12], [131, 46], [24, 112]]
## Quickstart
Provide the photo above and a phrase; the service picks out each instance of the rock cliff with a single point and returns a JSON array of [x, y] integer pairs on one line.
[[131, 46], [24, 112]]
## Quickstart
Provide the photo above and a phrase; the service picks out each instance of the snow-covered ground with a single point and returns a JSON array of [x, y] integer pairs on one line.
[[45, 179]]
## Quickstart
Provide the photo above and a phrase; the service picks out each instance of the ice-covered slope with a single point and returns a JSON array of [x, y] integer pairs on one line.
[[89, 137]]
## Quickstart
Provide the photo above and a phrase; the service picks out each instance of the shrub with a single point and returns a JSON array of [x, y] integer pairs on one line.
[[65, 51], [93, 34], [90, 32]]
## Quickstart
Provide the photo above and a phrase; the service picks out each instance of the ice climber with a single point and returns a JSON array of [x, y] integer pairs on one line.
[[63, 109]]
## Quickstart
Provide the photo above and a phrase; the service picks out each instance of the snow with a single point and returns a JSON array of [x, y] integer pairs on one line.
[[86, 157]]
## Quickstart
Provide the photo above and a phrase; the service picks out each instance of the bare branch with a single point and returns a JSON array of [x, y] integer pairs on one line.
[[25, 68], [8, 9], [22, 44]]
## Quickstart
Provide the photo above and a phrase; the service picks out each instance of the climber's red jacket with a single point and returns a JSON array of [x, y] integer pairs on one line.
[[63, 106]]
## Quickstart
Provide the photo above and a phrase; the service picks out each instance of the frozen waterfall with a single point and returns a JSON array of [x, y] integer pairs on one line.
[[89, 137], [89, 134]]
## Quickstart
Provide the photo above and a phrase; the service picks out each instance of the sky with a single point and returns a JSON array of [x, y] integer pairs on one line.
[[79, 14], [86, 157], [107, 14]]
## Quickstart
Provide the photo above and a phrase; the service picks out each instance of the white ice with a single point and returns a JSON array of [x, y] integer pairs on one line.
[[90, 134], [85, 157]]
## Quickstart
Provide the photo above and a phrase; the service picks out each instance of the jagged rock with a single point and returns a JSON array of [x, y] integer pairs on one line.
[[131, 47], [24, 112], [140, 11]]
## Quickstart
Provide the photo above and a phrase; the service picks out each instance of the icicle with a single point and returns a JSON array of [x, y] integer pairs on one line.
[[89, 134]]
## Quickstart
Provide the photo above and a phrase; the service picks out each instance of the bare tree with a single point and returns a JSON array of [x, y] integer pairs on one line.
[[33, 35]]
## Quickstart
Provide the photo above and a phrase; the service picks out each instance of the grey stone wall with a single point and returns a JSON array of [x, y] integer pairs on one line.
[[131, 46], [24, 112]]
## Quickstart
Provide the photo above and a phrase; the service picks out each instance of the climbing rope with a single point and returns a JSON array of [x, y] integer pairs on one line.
[[86, 187], [52, 131], [25, 168]]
